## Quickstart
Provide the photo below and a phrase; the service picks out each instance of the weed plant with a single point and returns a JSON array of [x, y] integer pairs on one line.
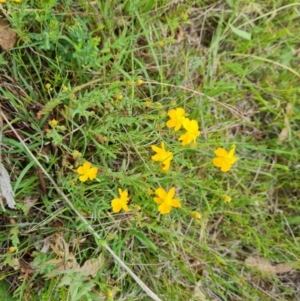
[[173, 128]]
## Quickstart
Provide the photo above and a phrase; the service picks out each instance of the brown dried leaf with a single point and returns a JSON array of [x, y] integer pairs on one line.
[[92, 266], [285, 131], [283, 268], [8, 37], [180, 36], [265, 266], [29, 202], [198, 294], [289, 109], [283, 135]]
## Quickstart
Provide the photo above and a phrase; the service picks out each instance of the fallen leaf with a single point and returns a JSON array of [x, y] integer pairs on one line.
[[198, 294], [8, 37], [284, 134], [92, 266], [283, 268], [29, 202], [66, 261], [265, 266], [180, 35], [289, 109], [5, 187]]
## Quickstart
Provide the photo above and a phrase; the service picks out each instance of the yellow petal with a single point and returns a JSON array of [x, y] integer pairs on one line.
[[157, 157], [124, 196], [226, 166], [83, 178], [165, 165], [193, 126], [175, 203], [80, 170], [93, 173], [172, 114], [171, 123], [161, 193], [164, 208], [231, 151], [158, 200], [120, 192], [233, 160], [177, 127], [125, 207], [184, 139], [218, 162], [156, 149], [171, 193], [86, 166], [180, 112], [116, 205], [221, 152]]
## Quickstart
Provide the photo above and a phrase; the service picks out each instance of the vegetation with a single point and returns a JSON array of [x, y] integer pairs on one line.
[[165, 133]]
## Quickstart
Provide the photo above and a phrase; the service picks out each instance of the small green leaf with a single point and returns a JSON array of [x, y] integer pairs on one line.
[[4, 288], [3, 61], [241, 33], [144, 240]]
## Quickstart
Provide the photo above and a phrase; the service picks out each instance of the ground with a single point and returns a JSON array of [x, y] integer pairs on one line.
[[95, 82]]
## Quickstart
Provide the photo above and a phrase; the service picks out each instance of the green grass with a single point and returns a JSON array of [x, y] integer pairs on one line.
[[193, 54]]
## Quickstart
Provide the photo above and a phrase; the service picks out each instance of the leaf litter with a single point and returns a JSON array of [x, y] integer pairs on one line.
[[265, 266]]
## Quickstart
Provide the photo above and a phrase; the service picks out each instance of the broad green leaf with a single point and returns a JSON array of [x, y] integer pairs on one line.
[[241, 33], [4, 288], [144, 240]]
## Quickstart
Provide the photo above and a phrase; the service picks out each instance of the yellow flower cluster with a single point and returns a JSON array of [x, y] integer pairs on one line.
[[178, 120], [165, 199]]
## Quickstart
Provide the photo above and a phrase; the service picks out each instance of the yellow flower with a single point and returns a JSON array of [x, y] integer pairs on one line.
[[162, 156], [48, 86], [11, 249], [72, 95], [2, 1], [176, 118], [87, 172], [196, 215], [227, 199], [139, 82], [149, 191], [173, 102], [185, 16], [148, 103], [120, 203], [76, 154], [166, 201], [53, 122], [224, 159], [192, 132], [119, 96], [64, 88], [109, 294], [137, 207]]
